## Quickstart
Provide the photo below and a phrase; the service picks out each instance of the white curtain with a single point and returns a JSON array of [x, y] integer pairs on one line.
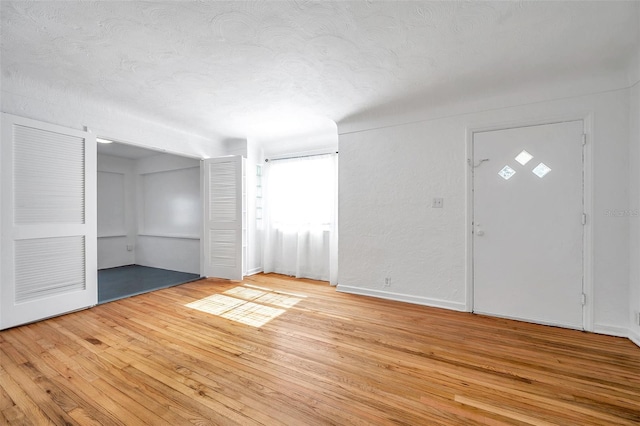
[[300, 223]]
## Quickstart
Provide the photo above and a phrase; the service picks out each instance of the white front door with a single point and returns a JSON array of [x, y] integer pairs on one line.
[[224, 221], [48, 219], [528, 223]]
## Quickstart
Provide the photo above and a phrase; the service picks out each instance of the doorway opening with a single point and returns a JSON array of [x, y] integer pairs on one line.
[[149, 220]]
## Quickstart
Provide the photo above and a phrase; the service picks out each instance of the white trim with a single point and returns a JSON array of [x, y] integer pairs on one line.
[[163, 168], [532, 122], [468, 240], [254, 271], [159, 235], [159, 151], [426, 301], [634, 337], [313, 152], [611, 330], [529, 320], [4, 133], [202, 215], [588, 285], [111, 235], [587, 118]]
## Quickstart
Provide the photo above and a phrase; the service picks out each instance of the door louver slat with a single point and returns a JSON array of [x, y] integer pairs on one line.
[[223, 192], [223, 245], [49, 177], [49, 266]]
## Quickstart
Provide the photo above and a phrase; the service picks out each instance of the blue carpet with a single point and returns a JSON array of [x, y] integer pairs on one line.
[[125, 281]]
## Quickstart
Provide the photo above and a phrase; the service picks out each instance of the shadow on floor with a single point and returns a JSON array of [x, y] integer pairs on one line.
[[130, 280]]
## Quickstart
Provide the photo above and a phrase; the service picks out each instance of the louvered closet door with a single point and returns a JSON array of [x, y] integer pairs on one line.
[[48, 217], [223, 224]]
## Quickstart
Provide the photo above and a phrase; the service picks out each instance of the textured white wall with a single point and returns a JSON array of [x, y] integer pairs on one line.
[[32, 99], [112, 250], [388, 177], [302, 144], [590, 81]]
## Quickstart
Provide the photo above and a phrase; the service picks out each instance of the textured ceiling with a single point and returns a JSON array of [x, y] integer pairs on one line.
[[271, 69]]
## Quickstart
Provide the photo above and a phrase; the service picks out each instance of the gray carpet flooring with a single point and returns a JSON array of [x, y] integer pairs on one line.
[[125, 281]]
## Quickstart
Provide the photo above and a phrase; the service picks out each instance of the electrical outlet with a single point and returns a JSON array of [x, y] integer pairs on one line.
[[387, 282], [129, 247], [437, 203]]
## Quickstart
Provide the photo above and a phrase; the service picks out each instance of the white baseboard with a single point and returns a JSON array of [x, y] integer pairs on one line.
[[611, 330], [634, 337], [426, 301], [253, 271]]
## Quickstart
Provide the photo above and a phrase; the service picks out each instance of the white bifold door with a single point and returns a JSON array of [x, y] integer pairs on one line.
[[528, 218], [224, 236], [48, 220]]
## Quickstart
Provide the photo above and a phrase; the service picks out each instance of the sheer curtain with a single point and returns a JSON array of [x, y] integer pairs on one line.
[[300, 227]]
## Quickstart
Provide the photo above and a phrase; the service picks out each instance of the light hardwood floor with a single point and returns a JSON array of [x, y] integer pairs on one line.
[[326, 358]]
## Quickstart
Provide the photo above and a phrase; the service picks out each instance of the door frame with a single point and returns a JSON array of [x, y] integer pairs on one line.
[[587, 120], [202, 160], [159, 151]]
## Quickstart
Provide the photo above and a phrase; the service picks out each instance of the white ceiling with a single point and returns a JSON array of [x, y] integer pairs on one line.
[[272, 69]]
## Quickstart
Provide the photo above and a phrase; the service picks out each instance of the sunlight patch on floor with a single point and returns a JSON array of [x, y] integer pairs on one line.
[[269, 297], [247, 304]]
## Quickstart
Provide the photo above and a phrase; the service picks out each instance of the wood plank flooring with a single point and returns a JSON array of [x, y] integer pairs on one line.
[[278, 351]]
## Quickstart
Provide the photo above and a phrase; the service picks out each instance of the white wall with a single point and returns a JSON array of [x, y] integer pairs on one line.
[[176, 254], [169, 213], [171, 203], [236, 147], [116, 211], [389, 175], [27, 98], [312, 143], [153, 206]]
